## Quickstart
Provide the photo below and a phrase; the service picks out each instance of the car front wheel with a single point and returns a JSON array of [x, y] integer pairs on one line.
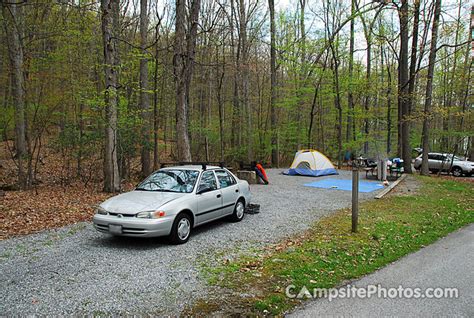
[[238, 214], [457, 172], [181, 229]]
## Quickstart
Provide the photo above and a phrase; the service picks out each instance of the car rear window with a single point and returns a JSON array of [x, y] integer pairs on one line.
[[225, 179]]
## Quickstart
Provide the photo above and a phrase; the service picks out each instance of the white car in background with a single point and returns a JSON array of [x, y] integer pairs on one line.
[[174, 200], [446, 163]]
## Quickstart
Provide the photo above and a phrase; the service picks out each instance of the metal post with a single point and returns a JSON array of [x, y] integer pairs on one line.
[[355, 196]]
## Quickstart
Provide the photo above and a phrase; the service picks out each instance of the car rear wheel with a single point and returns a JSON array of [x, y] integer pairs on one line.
[[457, 172], [181, 229], [238, 214]]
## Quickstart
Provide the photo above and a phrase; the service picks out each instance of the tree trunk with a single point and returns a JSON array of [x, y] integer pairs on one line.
[[413, 59], [468, 63], [156, 157], [110, 13], [220, 102], [183, 63], [429, 89], [273, 117], [350, 97], [12, 17], [236, 129], [389, 106], [403, 94], [337, 104], [301, 83], [179, 64], [244, 78], [367, 93], [144, 95], [311, 116], [81, 138]]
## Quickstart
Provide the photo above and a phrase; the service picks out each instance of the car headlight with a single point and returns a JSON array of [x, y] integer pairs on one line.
[[101, 211], [151, 214]]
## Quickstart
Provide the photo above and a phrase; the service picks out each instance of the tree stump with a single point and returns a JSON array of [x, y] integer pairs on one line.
[[249, 176]]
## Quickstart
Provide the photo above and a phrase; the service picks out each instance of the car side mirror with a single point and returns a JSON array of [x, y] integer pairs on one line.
[[203, 189]]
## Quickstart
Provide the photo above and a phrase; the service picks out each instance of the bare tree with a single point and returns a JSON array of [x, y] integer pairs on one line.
[[350, 96], [183, 62], [110, 15], [404, 147], [244, 74], [144, 95], [429, 89], [413, 58], [273, 117], [12, 17], [368, 29]]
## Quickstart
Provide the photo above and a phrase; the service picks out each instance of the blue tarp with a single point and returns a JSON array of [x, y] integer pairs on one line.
[[309, 172], [340, 184]]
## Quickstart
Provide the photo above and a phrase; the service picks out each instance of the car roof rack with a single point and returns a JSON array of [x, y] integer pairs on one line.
[[203, 164]]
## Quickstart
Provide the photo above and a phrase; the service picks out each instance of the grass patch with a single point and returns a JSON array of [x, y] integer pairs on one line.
[[329, 254]]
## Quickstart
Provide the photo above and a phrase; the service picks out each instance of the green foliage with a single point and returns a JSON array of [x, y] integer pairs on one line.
[[6, 123], [129, 129], [65, 80]]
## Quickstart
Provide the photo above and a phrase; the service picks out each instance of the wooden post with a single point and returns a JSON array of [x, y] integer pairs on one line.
[[355, 196]]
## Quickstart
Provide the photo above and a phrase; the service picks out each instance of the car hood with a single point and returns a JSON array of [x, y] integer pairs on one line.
[[137, 201]]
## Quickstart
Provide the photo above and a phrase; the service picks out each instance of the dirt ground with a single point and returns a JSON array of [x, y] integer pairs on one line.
[[409, 186]]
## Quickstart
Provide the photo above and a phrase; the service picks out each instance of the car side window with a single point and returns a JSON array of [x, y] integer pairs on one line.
[[225, 179], [208, 181], [432, 157]]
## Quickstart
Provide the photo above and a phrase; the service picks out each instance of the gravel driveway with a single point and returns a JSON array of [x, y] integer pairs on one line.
[[78, 270]]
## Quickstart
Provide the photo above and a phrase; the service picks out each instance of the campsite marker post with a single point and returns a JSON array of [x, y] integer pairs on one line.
[[355, 195]]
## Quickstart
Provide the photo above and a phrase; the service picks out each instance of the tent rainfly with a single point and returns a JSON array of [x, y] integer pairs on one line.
[[309, 162]]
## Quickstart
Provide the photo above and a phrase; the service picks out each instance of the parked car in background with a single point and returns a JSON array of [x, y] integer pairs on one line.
[[446, 163], [174, 200]]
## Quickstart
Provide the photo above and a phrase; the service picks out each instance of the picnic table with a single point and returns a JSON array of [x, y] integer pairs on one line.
[[394, 169]]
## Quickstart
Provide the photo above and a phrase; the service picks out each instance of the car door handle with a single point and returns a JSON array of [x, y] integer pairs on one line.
[[218, 196], [236, 190]]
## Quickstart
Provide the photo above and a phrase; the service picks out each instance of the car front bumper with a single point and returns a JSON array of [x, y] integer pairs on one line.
[[467, 170], [131, 226]]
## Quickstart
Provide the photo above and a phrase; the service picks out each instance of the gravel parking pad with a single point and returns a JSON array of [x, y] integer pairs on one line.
[[78, 270]]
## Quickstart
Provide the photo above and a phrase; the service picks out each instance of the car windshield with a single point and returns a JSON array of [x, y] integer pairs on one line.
[[170, 180]]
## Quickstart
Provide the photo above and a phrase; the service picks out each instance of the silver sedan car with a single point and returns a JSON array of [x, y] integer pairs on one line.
[[174, 200], [445, 162]]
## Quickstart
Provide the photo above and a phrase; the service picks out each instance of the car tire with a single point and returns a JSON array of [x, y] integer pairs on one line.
[[457, 172], [239, 209], [181, 230]]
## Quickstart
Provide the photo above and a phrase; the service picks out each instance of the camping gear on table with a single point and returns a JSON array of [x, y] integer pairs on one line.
[[396, 167], [310, 162]]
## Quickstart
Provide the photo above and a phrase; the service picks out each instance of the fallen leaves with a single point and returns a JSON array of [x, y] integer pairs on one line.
[[25, 212], [57, 199]]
